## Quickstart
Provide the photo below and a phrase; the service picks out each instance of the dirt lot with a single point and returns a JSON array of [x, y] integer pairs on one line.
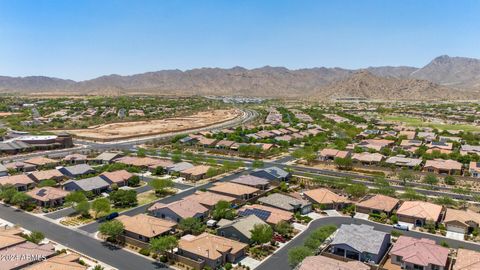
[[127, 130]]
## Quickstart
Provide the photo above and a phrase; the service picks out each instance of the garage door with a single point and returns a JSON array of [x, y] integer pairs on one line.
[[454, 228]]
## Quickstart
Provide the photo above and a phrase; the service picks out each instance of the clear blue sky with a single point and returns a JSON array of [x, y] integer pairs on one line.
[[84, 39]]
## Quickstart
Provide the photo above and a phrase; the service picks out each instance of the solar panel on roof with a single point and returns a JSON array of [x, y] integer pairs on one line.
[[262, 214]]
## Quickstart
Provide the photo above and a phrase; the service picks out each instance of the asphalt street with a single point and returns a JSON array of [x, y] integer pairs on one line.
[[279, 260], [93, 227], [91, 247]]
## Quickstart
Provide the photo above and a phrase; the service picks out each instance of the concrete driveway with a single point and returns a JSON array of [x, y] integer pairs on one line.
[[455, 235], [361, 216], [332, 213]]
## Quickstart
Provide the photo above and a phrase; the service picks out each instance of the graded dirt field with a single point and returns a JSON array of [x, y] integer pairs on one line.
[[126, 130]]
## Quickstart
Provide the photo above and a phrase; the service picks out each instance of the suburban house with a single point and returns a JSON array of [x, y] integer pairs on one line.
[[461, 221], [3, 170], [413, 253], [376, 144], [287, 203], [224, 144], [211, 250], [209, 199], [195, 173], [325, 263], [24, 252], [443, 166], [377, 204], [178, 167], [20, 181], [48, 196], [360, 242], [419, 212], [120, 178], [241, 193], [268, 214], [402, 161], [179, 210], [64, 261], [368, 158], [427, 136], [326, 198], [77, 170], [474, 169], [108, 157], [42, 162], [252, 181], [52, 174], [467, 260], [331, 154], [470, 149], [240, 228], [20, 166], [442, 147], [94, 184], [143, 227], [75, 158], [411, 145], [409, 134], [272, 174]]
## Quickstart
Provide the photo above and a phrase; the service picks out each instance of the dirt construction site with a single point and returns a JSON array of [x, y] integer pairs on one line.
[[126, 130]]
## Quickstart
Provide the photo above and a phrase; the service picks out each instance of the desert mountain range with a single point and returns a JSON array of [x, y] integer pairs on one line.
[[443, 78]]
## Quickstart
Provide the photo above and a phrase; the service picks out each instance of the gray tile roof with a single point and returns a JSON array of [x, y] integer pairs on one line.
[[244, 224], [107, 156], [181, 166], [250, 180], [275, 171], [90, 183], [284, 202], [78, 169], [362, 238]]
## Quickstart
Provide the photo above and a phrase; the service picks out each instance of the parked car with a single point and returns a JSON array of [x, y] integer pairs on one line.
[[279, 238], [400, 227], [111, 216]]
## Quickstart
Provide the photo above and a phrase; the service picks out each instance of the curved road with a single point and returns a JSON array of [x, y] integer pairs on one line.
[[279, 260]]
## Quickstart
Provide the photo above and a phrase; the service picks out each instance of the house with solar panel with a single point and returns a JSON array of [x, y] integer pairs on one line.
[[268, 214], [272, 174]]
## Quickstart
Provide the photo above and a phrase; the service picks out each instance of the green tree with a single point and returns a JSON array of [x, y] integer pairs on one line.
[[21, 199], [191, 225], [161, 185], [344, 163], [75, 197], [176, 158], [223, 210], [83, 208], [101, 205], [284, 228], [449, 180], [446, 201], [47, 183], [261, 233], [7, 193], [134, 181], [123, 198], [405, 176], [357, 190], [163, 244], [412, 195], [258, 164], [112, 229], [297, 254], [35, 237], [430, 179]]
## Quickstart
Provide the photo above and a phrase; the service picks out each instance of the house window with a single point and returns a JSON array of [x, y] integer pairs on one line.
[[435, 267], [222, 233], [417, 267]]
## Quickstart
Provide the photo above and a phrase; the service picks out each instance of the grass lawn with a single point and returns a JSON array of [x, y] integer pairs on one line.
[[146, 197], [417, 122]]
